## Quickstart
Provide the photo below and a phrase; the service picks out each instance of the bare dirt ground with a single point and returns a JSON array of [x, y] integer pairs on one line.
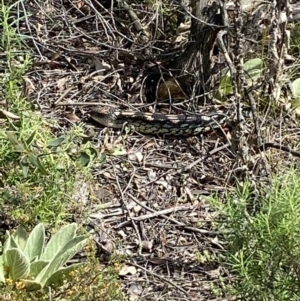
[[150, 203]]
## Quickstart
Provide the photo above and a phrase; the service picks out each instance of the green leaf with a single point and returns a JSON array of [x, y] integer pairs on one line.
[[253, 69], [20, 236], [18, 146], [2, 272], [296, 87], [30, 139], [58, 241], [36, 267], [25, 167], [84, 158], [93, 151], [253, 75], [63, 273], [35, 242], [254, 64], [295, 104], [17, 263], [33, 160], [10, 243], [41, 166], [69, 250], [56, 142], [225, 87]]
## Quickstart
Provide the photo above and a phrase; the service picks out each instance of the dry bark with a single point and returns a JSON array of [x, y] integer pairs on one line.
[[205, 25]]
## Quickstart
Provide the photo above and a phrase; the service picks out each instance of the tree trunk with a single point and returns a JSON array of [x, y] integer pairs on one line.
[[197, 57]]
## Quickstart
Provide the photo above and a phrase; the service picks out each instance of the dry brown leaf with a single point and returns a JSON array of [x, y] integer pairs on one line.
[[80, 4], [183, 27], [72, 116], [157, 260], [125, 270], [6, 114], [61, 83], [147, 245], [136, 156], [135, 291], [100, 66]]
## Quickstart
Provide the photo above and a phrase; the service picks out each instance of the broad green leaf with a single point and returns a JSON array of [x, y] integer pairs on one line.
[[56, 142], [296, 87], [253, 69], [295, 103], [84, 158], [62, 273], [254, 64], [36, 267], [58, 241], [31, 285], [254, 75], [2, 273], [10, 243], [69, 250], [18, 146], [17, 263], [20, 236], [35, 242], [72, 248]]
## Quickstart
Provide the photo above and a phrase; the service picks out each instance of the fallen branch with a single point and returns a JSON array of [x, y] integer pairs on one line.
[[284, 148]]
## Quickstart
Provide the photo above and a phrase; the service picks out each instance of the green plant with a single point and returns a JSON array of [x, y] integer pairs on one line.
[[295, 39], [253, 71], [296, 95], [40, 171], [25, 257], [262, 240]]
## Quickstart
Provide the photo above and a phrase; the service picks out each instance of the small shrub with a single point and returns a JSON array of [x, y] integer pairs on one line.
[[263, 247], [27, 260]]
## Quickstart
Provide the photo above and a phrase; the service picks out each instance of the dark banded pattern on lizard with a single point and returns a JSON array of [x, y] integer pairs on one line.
[[158, 123]]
